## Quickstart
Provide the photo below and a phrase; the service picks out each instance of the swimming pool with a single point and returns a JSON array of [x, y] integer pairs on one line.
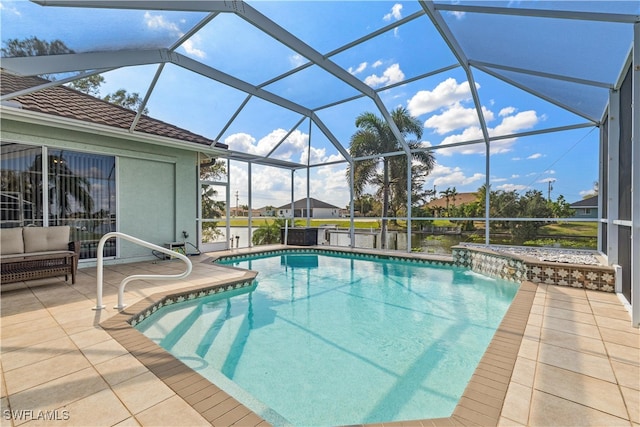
[[336, 339]]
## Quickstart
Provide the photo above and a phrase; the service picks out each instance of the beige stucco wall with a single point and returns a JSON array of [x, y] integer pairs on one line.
[[156, 185]]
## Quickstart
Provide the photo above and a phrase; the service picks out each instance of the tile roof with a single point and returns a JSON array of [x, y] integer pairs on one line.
[[66, 102], [313, 203], [460, 199], [589, 202]]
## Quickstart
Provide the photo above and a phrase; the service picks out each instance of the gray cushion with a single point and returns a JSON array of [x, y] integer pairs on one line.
[[11, 241], [39, 239]]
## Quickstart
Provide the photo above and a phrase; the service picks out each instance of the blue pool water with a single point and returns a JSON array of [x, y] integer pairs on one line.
[[334, 340]]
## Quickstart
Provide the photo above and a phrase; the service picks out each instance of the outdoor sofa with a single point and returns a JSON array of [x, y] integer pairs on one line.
[[28, 253]]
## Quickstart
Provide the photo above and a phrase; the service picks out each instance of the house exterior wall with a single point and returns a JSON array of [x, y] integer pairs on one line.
[[315, 213], [586, 213], [157, 185], [325, 213]]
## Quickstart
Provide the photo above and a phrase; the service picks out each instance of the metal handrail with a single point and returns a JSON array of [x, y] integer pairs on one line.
[[121, 305]]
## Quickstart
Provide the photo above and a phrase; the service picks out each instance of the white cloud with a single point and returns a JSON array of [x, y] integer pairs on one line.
[[272, 186], [550, 171], [396, 13], [241, 142], [445, 176], [293, 149], [160, 23], [512, 124], [189, 47], [507, 111], [6, 9], [534, 156], [458, 15], [509, 125], [297, 60], [544, 180], [456, 117], [391, 75], [511, 187], [515, 159], [377, 64], [515, 176], [447, 93], [331, 185], [359, 69], [296, 143]]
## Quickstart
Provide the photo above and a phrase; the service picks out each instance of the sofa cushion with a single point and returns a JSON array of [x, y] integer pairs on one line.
[[40, 239], [11, 241]]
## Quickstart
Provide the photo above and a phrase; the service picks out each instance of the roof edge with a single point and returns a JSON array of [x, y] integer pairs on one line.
[[37, 118]]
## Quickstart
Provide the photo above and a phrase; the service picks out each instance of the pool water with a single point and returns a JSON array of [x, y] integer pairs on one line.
[[335, 340]]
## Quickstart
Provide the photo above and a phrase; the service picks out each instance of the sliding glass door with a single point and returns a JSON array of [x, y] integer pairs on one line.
[[42, 186]]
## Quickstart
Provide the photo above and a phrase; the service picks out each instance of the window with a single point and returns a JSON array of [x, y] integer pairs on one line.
[[45, 187]]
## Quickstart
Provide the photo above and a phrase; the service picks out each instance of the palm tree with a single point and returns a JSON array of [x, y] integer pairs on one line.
[[268, 233], [67, 191], [374, 137], [448, 194]]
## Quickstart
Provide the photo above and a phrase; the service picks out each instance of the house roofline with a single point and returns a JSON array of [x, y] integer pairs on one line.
[[43, 119]]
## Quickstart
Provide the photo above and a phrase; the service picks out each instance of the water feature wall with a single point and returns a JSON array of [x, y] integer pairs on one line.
[[518, 268]]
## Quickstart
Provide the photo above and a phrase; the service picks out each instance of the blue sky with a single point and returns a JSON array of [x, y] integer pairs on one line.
[[442, 102]]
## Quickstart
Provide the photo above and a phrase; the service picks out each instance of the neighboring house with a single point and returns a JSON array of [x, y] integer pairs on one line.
[[244, 212], [317, 209], [586, 208], [267, 211], [440, 205], [100, 176]]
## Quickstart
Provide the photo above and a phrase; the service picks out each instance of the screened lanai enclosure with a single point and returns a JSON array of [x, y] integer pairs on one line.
[[409, 125]]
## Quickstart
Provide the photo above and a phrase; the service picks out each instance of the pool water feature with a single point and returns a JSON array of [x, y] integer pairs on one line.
[[336, 340]]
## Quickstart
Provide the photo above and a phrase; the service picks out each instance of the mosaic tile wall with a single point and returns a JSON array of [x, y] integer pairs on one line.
[[491, 264], [599, 278], [574, 275]]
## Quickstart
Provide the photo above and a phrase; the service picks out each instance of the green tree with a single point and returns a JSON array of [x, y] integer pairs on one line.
[[268, 233], [68, 193], [89, 85], [121, 97], [365, 204], [561, 208], [211, 170], [449, 195], [33, 46], [504, 204], [532, 205], [375, 138]]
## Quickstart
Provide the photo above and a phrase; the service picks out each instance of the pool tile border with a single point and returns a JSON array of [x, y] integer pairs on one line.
[[480, 404]]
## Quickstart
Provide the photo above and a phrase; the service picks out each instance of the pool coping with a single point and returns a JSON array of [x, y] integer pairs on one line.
[[480, 404]]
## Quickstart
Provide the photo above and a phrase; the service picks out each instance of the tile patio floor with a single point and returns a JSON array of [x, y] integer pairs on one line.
[[578, 362]]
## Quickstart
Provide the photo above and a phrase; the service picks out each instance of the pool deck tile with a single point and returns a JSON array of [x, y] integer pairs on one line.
[[561, 356]]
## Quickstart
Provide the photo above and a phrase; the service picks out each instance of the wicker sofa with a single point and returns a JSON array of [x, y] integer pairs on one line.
[[28, 253]]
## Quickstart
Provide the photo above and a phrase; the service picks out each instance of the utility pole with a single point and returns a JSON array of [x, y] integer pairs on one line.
[[550, 182], [236, 203]]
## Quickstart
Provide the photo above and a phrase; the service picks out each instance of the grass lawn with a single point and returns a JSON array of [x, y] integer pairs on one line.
[[568, 229], [571, 229], [341, 223], [366, 223]]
